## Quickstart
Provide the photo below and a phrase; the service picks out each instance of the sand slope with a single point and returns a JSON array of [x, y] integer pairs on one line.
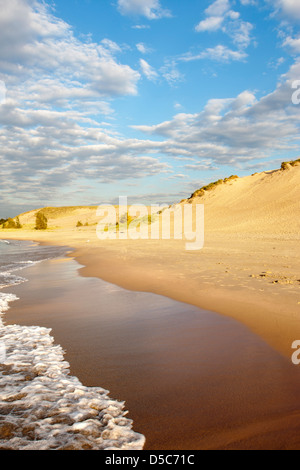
[[264, 203]]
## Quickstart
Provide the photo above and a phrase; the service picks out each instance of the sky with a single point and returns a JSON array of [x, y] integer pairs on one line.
[[149, 99]]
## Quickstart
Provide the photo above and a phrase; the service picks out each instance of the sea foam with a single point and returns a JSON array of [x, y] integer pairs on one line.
[[43, 407]]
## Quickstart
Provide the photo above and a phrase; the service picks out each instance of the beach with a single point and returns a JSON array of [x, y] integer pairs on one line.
[[190, 378], [251, 278], [197, 343]]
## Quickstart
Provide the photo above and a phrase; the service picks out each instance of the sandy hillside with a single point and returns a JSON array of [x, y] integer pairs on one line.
[[66, 217], [264, 203]]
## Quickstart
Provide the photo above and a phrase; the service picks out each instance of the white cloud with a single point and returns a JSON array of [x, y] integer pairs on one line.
[[212, 23], [293, 44], [291, 8], [33, 42], [218, 8], [151, 9], [236, 130], [140, 26], [220, 16], [2, 92], [142, 48], [218, 53], [171, 73], [148, 71], [248, 2], [55, 84]]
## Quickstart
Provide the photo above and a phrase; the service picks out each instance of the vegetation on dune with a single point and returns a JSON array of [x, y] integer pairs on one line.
[[41, 221], [11, 223], [288, 165], [200, 192]]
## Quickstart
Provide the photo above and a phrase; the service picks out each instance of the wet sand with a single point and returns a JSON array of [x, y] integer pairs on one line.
[[192, 379]]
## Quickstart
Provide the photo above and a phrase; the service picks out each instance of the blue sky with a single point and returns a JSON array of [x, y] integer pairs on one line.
[[148, 99]]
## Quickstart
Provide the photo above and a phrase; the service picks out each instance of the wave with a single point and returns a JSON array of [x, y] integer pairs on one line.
[[42, 407], [46, 408]]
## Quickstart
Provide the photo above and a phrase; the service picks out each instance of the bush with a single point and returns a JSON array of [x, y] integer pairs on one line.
[[200, 192], [41, 221], [79, 224], [287, 165], [18, 224], [10, 223]]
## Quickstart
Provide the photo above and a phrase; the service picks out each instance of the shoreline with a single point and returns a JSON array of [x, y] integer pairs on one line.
[[248, 278], [200, 375]]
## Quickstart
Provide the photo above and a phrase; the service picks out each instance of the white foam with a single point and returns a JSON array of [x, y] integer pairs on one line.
[[42, 407]]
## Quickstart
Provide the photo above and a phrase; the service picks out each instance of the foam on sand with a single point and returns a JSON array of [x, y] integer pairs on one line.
[[43, 407]]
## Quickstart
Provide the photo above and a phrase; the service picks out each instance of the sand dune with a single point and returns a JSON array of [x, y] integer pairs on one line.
[[264, 203]]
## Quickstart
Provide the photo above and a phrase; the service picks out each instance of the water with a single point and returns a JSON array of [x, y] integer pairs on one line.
[[41, 406]]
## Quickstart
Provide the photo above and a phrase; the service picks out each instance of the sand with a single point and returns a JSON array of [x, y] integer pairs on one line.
[[191, 379], [248, 269]]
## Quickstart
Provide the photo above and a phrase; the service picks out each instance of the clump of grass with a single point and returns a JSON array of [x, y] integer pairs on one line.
[[126, 219], [231, 178], [200, 192], [79, 224], [288, 165]]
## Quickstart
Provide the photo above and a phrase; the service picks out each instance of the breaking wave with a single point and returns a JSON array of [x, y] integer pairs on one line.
[[43, 407]]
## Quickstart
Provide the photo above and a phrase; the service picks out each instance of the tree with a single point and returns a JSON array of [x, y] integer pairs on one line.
[[41, 221], [18, 224], [10, 223]]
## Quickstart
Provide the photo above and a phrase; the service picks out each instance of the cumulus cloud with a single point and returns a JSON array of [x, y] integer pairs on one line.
[[151, 9], [238, 129], [293, 44], [34, 42], [290, 8], [220, 16], [51, 86], [212, 23]]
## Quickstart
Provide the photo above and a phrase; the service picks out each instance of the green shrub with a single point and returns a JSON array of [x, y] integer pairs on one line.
[[200, 192], [10, 223], [287, 165], [41, 221], [232, 177], [18, 224]]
